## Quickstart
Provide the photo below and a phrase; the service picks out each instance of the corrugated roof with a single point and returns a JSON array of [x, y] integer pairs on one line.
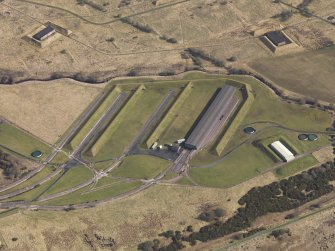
[[282, 150]]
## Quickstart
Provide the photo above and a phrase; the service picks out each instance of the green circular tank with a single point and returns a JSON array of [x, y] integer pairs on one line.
[[249, 130], [312, 137], [36, 154], [303, 137]]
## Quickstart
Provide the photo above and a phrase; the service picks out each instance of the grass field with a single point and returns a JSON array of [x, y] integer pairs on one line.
[[43, 173], [85, 195], [129, 121], [295, 166], [74, 177], [309, 73], [46, 109], [245, 163], [140, 167], [20, 142]]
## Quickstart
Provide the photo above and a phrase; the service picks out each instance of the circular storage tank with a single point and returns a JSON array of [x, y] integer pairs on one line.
[[249, 130], [312, 137], [303, 137], [36, 154]]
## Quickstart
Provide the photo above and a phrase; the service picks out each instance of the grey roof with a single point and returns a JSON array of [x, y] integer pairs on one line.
[[213, 118], [47, 30], [277, 37]]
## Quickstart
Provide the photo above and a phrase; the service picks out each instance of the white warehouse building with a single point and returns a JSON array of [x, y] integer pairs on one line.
[[282, 151]]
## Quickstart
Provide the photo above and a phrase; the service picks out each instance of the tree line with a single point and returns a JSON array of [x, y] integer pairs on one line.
[[279, 196]]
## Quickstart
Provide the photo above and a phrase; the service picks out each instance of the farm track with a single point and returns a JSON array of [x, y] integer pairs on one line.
[[108, 22]]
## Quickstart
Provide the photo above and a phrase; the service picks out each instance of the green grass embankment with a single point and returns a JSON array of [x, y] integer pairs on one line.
[[116, 121], [168, 118], [236, 122]]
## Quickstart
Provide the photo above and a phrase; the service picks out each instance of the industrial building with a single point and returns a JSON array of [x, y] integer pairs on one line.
[[44, 34], [213, 118], [282, 151]]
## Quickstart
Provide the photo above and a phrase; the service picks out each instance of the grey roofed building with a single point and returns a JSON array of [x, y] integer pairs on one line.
[[213, 118], [45, 33], [278, 38]]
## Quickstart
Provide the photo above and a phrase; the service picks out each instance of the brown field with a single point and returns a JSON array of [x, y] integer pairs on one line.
[[325, 154], [157, 209], [46, 109], [220, 29]]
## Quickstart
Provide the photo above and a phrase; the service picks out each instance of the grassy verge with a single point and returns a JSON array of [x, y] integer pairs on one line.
[[296, 166], [73, 177], [85, 195], [140, 167], [21, 142]]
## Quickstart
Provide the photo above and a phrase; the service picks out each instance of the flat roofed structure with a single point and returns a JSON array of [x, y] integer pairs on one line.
[[282, 151], [278, 38], [213, 118], [45, 33]]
